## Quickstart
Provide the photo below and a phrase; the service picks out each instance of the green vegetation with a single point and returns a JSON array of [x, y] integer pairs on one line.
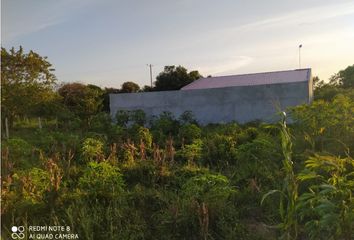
[[68, 163]]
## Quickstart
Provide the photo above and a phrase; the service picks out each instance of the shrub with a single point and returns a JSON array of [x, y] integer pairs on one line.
[[138, 117], [192, 152], [327, 207], [208, 188], [189, 132], [326, 126], [140, 134], [122, 118], [19, 151], [187, 117], [101, 179], [29, 188], [92, 149], [166, 123], [218, 150], [206, 195], [101, 123], [258, 159], [144, 173]]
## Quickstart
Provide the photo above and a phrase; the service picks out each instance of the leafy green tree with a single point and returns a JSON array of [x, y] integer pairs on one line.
[[174, 78], [130, 87], [344, 78], [106, 93], [27, 80], [147, 88], [84, 101], [327, 126]]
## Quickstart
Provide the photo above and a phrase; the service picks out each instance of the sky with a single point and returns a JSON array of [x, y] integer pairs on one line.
[[108, 42]]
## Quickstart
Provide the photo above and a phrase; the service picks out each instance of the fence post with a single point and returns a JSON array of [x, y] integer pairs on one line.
[[7, 128], [39, 123]]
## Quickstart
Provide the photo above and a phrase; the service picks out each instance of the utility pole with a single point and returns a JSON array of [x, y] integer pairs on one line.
[[300, 46], [150, 66]]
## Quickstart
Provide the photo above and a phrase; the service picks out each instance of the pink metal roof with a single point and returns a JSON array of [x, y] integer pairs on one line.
[[298, 75]]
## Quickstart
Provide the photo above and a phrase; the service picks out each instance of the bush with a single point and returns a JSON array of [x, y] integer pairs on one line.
[[192, 152], [206, 196], [101, 123], [208, 188], [326, 126], [140, 134], [92, 150], [138, 117], [187, 117], [19, 151], [144, 173], [327, 207], [259, 159], [219, 150], [189, 132], [122, 118], [101, 179], [27, 189]]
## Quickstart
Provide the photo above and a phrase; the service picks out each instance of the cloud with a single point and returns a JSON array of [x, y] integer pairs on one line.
[[23, 17], [302, 17]]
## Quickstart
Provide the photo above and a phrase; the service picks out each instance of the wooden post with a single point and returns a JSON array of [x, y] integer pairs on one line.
[[39, 123], [7, 128]]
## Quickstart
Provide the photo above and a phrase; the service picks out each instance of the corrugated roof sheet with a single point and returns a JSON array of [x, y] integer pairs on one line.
[[298, 75]]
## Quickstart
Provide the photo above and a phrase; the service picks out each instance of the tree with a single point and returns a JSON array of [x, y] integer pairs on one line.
[[174, 78], [84, 101], [344, 78], [130, 87], [27, 80], [317, 82], [105, 96], [147, 88]]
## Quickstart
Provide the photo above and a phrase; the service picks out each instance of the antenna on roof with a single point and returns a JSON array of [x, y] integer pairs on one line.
[[300, 46]]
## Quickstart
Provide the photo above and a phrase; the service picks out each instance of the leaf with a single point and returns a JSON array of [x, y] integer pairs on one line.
[[270, 193], [307, 175]]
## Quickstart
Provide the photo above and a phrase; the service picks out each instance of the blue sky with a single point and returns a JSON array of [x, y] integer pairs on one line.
[[108, 42]]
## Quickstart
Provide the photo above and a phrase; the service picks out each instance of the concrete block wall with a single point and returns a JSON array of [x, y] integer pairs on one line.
[[218, 105]]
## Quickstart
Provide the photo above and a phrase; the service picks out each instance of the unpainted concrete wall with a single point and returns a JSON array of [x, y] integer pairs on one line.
[[218, 105]]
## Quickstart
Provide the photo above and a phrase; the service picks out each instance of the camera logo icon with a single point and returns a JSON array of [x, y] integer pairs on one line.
[[18, 232]]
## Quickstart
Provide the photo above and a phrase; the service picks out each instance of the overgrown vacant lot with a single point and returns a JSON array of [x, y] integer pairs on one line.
[[168, 178], [177, 180]]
